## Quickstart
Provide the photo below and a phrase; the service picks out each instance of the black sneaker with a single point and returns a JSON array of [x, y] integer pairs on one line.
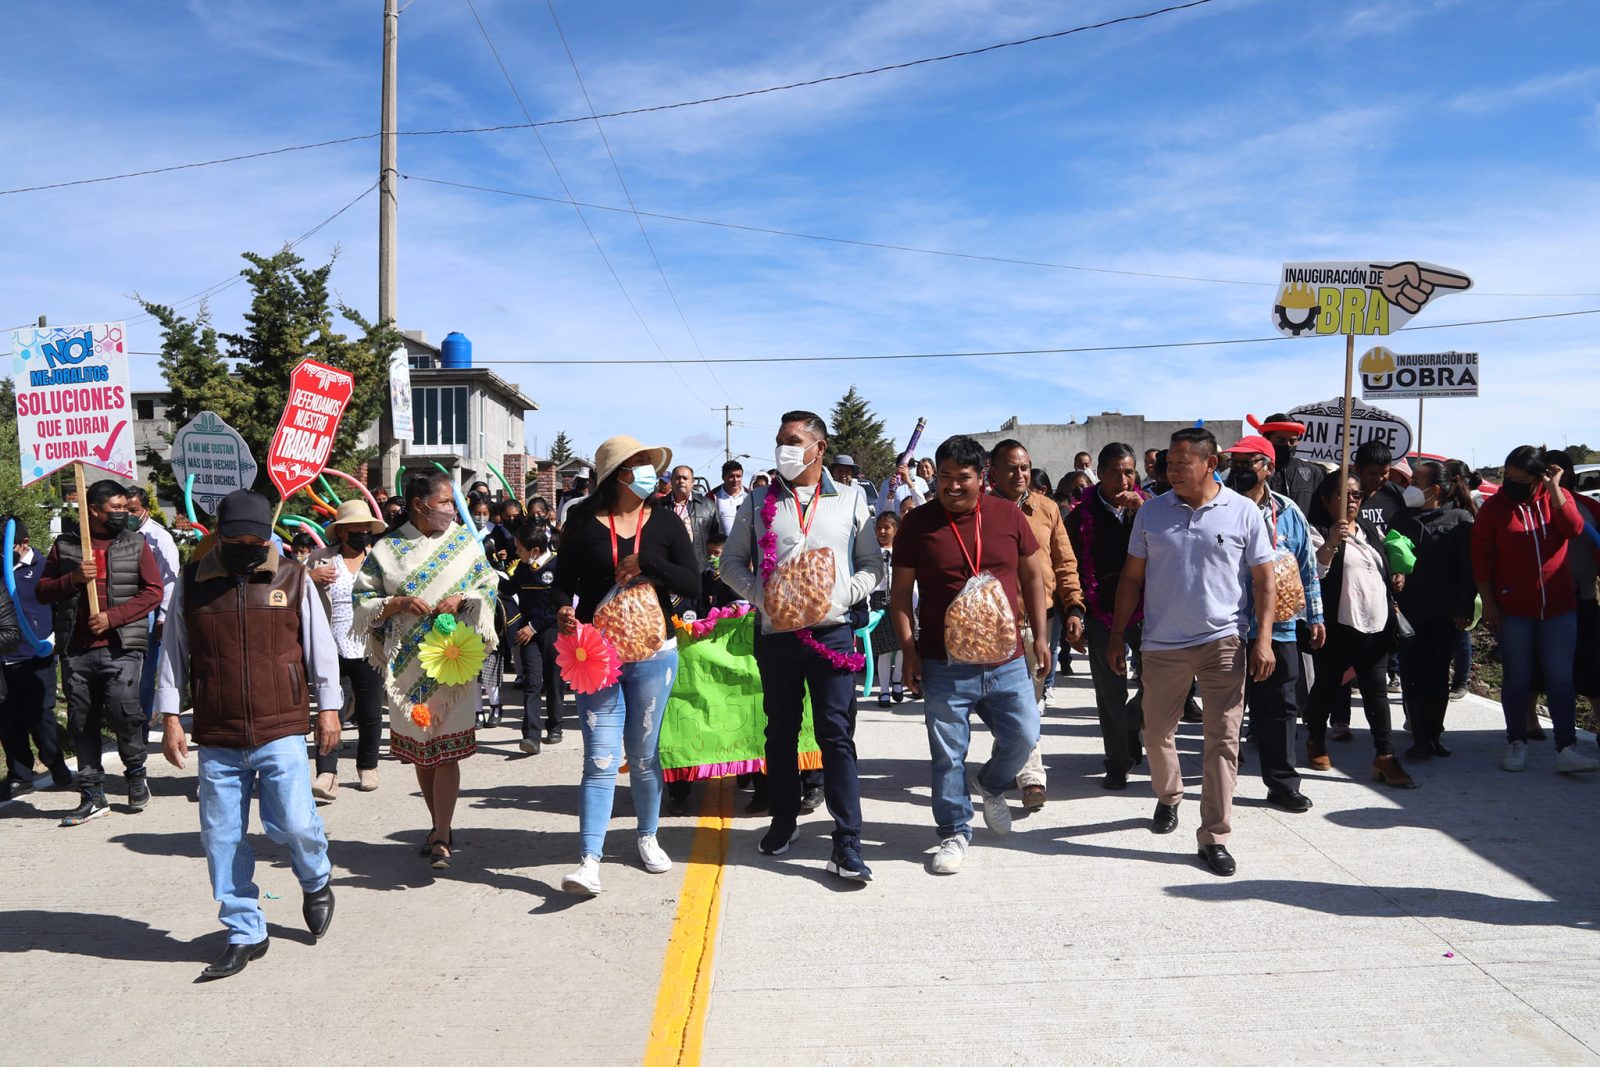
[[138, 793], [93, 807], [811, 800], [778, 838], [552, 735], [1192, 712], [846, 862], [12, 788]]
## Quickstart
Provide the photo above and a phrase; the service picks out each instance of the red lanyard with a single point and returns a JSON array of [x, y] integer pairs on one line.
[[1272, 510], [979, 519], [804, 515], [611, 524]]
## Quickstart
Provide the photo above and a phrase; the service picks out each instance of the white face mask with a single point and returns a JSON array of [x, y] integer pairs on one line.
[[1414, 497], [791, 460]]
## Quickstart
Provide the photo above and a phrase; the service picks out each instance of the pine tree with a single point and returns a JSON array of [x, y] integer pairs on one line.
[[197, 378], [560, 448], [855, 431]]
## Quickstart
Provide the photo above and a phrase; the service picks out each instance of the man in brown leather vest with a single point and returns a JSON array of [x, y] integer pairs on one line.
[[249, 635]]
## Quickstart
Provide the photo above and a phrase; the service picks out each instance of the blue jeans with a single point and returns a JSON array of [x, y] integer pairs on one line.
[[1555, 642], [279, 773], [1003, 697], [624, 720], [1461, 661]]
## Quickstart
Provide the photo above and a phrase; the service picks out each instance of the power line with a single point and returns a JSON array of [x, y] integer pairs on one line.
[[1016, 351], [530, 124], [1003, 352], [581, 216], [890, 247], [617, 169]]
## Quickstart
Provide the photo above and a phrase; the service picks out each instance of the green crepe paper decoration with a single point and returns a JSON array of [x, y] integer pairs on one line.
[[1402, 552], [445, 624], [714, 722]]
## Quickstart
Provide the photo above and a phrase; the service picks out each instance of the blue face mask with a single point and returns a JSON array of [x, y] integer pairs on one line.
[[644, 481]]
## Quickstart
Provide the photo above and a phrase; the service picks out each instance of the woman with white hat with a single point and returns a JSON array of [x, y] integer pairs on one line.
[[333, 569], [608, 540]]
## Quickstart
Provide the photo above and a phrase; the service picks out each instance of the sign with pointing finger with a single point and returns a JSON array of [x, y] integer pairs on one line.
[[1360, 298]]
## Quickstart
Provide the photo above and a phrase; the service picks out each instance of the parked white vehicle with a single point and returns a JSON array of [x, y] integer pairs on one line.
[[1586, 479]]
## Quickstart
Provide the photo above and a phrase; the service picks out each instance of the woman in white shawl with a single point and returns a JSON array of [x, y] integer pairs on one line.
[[430, 566]]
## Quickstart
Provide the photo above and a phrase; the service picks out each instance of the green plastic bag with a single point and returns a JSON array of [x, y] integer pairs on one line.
[[1402, 552], [714, 724]]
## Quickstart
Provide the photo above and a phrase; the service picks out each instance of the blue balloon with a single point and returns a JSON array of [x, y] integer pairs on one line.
[[40, 648]]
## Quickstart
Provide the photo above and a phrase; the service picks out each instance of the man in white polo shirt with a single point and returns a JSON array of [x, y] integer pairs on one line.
[[1195, 554]]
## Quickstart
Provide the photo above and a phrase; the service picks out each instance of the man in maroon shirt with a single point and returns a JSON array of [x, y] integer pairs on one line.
[[939, 548], [103, 652]]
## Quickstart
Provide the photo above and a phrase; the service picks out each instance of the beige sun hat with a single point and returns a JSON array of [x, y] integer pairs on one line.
[[614, 452], [357, 514]]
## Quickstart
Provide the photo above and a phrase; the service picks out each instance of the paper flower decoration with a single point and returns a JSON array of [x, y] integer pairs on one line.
[[445, 624], [421, 715], [453, 658], [588, 662]]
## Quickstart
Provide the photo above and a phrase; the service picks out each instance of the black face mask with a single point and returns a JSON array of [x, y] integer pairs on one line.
[[1518, 491], [1282, 454], [241, 558], [359, 541], [117, 522], [1244, 479]]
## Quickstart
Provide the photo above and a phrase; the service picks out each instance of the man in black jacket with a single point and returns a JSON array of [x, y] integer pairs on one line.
[[1293, 477], [697, 513]]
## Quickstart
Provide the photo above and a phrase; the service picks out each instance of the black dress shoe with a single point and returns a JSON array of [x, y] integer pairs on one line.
[[552, 735], [1115, 780], [758, 805], [1192, 711], [1420, 751], [1436, 746], [493, 718], [1217, 858], [233, 961], [318, 910], [1295, 801], [811, 800], [1165, 820]]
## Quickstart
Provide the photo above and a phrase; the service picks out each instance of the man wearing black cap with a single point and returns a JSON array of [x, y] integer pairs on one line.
[[248, 634]]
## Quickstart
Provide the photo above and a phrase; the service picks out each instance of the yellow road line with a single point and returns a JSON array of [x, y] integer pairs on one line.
[[685, 990]]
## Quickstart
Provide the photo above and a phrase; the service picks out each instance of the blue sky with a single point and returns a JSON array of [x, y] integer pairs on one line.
[[1216, 142]]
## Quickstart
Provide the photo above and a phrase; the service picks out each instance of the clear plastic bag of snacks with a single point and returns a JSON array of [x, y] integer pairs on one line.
[[980, 626], [630, 618], [800, 592]]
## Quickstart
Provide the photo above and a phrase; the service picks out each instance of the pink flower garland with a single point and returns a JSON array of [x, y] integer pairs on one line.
[[852, 662], [700, 627], [1085, 512]]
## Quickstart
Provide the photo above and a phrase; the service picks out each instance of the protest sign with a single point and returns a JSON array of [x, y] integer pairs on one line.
[[1424, 375], [1323, 441], [216, 455], [1358, 298], [400, 393], [303, 441], [73, 401]]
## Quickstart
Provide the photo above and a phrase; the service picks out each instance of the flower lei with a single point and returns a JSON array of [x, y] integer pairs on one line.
[[852, 662], [1085, 512], [698, 628]]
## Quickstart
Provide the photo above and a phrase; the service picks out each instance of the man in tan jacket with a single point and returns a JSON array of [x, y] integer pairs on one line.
[[1010, 474]]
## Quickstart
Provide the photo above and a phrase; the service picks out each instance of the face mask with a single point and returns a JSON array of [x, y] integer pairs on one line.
[[1518, 491], [480, 521], [1282, 454], [791, 460], [359, 541], [1244, 479], [443, 517], [241, 559], [117, 522], [134, 521], [1414, 497], [644, 481]]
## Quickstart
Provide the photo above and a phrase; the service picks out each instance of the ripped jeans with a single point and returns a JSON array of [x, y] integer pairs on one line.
[[624, 719]]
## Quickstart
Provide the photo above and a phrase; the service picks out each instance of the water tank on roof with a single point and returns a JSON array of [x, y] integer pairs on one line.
[[456, 351]]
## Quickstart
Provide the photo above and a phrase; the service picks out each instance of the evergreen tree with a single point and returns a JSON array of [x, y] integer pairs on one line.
[[197, 379], [34, 505], [560, 448], [855, 431]]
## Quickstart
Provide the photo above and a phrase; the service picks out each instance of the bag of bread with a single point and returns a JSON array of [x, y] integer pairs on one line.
[[799, 593], [1291, 593], [979, 625], [630, 618]]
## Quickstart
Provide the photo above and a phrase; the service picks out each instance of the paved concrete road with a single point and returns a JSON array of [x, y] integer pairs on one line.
[[1454, 922]]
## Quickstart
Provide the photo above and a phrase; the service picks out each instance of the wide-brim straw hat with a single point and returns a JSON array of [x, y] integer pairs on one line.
[[614, 452], [357, 515]]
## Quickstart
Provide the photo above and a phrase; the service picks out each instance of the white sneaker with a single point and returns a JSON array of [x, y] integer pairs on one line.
[[1516, 757], [656, 860], [1570, 761], [585, 881], [952, 853], [996, 812]]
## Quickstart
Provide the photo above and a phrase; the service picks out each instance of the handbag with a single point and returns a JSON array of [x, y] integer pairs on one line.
[[1400, 629]]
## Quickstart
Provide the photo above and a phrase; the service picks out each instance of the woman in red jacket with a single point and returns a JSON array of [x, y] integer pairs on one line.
[[1519, 561]]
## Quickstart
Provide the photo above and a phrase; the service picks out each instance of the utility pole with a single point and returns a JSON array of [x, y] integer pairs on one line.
[[727, 430], [388, 205]]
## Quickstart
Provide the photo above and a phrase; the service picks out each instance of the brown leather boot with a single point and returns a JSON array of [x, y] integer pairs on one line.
[[1317, 757], [1387, 769]]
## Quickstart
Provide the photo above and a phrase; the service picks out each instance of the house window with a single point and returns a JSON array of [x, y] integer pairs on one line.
[[146, 408], [439, 416]]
